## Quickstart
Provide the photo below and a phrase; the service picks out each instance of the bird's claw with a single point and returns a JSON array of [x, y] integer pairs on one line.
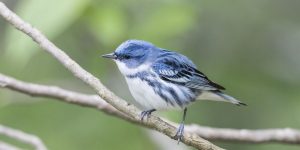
[[146, 113], [179, 134]]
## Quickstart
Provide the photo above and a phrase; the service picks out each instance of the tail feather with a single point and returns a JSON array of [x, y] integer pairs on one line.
[[219, 96]]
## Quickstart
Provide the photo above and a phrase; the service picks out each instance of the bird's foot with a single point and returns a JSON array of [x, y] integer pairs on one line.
[[146, 113], [179, 134]]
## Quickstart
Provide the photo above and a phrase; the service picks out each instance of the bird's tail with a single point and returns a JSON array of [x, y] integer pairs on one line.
[[219, 96]]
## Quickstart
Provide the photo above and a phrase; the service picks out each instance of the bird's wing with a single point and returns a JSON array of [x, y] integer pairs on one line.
[[178, 70]]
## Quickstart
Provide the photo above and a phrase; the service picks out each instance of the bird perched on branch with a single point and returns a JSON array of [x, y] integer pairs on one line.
[[160, 79]]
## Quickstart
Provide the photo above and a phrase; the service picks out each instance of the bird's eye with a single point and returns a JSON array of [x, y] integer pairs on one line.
[[126, 57]]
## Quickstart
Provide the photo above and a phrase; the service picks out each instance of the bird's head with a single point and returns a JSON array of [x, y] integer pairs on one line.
[[132, 53]]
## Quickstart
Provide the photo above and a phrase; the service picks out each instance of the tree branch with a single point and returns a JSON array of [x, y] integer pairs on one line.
[[152, 122], [286, 135], [22, 137], [6, 146], [60, 94]]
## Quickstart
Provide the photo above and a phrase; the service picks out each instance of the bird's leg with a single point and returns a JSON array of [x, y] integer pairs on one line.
[[146, 113], [180, 130]]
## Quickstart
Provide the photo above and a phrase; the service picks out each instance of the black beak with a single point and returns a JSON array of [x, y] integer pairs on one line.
[[111, 56]]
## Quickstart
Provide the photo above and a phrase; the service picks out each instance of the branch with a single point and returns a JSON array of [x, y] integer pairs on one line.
[[152, 122], [60, 94], [286, 135], [5, 146], [22, 137]]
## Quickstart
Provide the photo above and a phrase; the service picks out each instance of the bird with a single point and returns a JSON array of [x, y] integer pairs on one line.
[[161, 79]]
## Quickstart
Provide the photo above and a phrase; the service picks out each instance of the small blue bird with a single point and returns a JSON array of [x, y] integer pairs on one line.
[[160, 79]]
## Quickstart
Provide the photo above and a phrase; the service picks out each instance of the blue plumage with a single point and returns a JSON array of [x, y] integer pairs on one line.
[[160, 79], [178, 69]]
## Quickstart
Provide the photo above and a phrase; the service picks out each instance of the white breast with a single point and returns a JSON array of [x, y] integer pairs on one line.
[[145, 95]]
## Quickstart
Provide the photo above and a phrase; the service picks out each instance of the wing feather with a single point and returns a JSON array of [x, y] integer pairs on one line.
[[175, 70]]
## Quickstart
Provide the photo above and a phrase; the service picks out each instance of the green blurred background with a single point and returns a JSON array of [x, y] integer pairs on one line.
[[249, 46]]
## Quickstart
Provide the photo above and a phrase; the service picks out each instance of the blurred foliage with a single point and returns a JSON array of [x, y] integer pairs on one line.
[[56, 21], [250, 47]]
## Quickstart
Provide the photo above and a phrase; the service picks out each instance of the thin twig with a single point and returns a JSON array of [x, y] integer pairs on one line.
[[23, 137], [6, 146], [285, 135], [60, 94]]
